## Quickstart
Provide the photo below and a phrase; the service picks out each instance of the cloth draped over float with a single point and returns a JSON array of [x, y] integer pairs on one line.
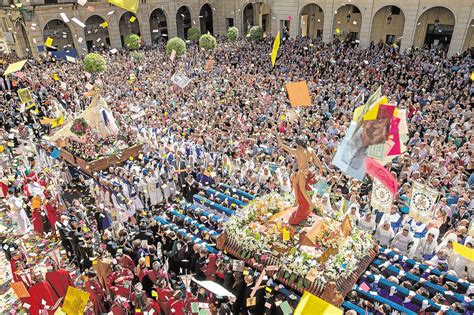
[[97, 115]]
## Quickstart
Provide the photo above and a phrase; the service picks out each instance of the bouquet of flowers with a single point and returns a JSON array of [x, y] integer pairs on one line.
[[79, 127]]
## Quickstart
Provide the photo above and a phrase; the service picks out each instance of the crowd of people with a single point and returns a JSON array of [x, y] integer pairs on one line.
[[223, 128]]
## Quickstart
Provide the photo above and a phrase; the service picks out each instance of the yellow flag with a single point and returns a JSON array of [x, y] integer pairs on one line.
[[464, 251], [55, 77], [338, 31], [129, 5], [75, 301], [276, 46], [57, 122], [15, 67], [132, 19], [472, 76], [48, 42], [311, 304], [2, 148], [104, 25]]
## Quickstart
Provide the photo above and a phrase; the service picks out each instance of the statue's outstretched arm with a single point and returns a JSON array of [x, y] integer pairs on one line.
[[285, 147]]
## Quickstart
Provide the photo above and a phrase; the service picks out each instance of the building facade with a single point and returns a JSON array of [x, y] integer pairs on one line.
[[77, 27]]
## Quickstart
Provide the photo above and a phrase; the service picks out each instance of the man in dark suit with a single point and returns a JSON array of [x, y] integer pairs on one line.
[[190, 188]]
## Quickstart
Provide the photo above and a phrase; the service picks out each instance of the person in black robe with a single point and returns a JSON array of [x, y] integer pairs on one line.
[[238, 289]]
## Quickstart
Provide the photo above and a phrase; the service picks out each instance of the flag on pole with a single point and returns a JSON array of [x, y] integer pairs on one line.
[[129, 5], [276, 46], [381, 198]]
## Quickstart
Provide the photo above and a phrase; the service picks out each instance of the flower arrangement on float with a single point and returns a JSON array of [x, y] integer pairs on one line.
[[250, 231]]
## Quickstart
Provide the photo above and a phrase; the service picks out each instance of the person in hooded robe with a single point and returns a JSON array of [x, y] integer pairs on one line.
[[403, 240], [19, 216], [42, 295], [96, 291], [384, 234], [59, 279]]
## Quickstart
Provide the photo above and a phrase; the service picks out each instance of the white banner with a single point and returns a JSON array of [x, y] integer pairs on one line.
[[381, 198], [423, 198]]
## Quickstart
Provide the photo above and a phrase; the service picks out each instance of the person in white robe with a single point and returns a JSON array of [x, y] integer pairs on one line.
[[403, 240], [384, 234], [18, 215], [427, 246], [353, 214], [367, 223]]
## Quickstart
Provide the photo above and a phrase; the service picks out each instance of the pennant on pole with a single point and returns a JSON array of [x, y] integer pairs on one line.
[[276, 46]]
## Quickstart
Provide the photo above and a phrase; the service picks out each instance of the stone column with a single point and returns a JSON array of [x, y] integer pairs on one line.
[[328, 10], [463, 21], [411, 20]]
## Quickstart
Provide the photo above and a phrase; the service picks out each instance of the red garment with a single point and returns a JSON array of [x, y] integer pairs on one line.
[[164, 297], [60, 281], [177, 305], [126, 262], [211, 268], [53, 214], [119, 309], [97, 296], [125, 274], [303, 210], [37, 220], [41, 293], [153, 305], [120, 290], [3, 189]]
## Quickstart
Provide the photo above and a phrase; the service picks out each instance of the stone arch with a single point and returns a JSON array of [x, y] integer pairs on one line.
[[347, 23], [206, 19], [158, 25], [183, 21], [128, 25], [388, 24], [23, 43], [435, 27], [61, 34], [311, 21], [248, 17], [96, 35]]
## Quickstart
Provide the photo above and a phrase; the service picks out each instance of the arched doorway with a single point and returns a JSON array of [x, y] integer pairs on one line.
[[347, 23], [312, 21], [435, 28], [469, 40], [128, 24], [205, 16], [61, 35], [183, 21], [22, 40], [158, 26], [387, 25], [95, 34], [248, 18]]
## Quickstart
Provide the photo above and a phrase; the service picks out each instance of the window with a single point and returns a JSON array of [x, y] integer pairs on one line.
[[389, 39], [355, 9], [229, 22], [395, 10]]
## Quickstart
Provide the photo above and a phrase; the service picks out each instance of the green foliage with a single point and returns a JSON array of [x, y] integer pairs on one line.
[[193, 34], [232, 33], [208, 42], [137, 56], [176, 44], [133, 41], [256, 32], [94, 63]]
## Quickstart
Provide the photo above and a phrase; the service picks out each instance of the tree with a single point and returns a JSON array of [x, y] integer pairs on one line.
[[232, 33], [208, 42], [94, 63], [193, 34], [256, 32], [176, 44], [133, 41]]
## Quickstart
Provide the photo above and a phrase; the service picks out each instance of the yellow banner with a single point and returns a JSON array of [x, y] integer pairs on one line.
[[276, 46], [464, 251], [310, 304], [129, 5], [15, 67], [75, 301], [57, 122], [48, 42]]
